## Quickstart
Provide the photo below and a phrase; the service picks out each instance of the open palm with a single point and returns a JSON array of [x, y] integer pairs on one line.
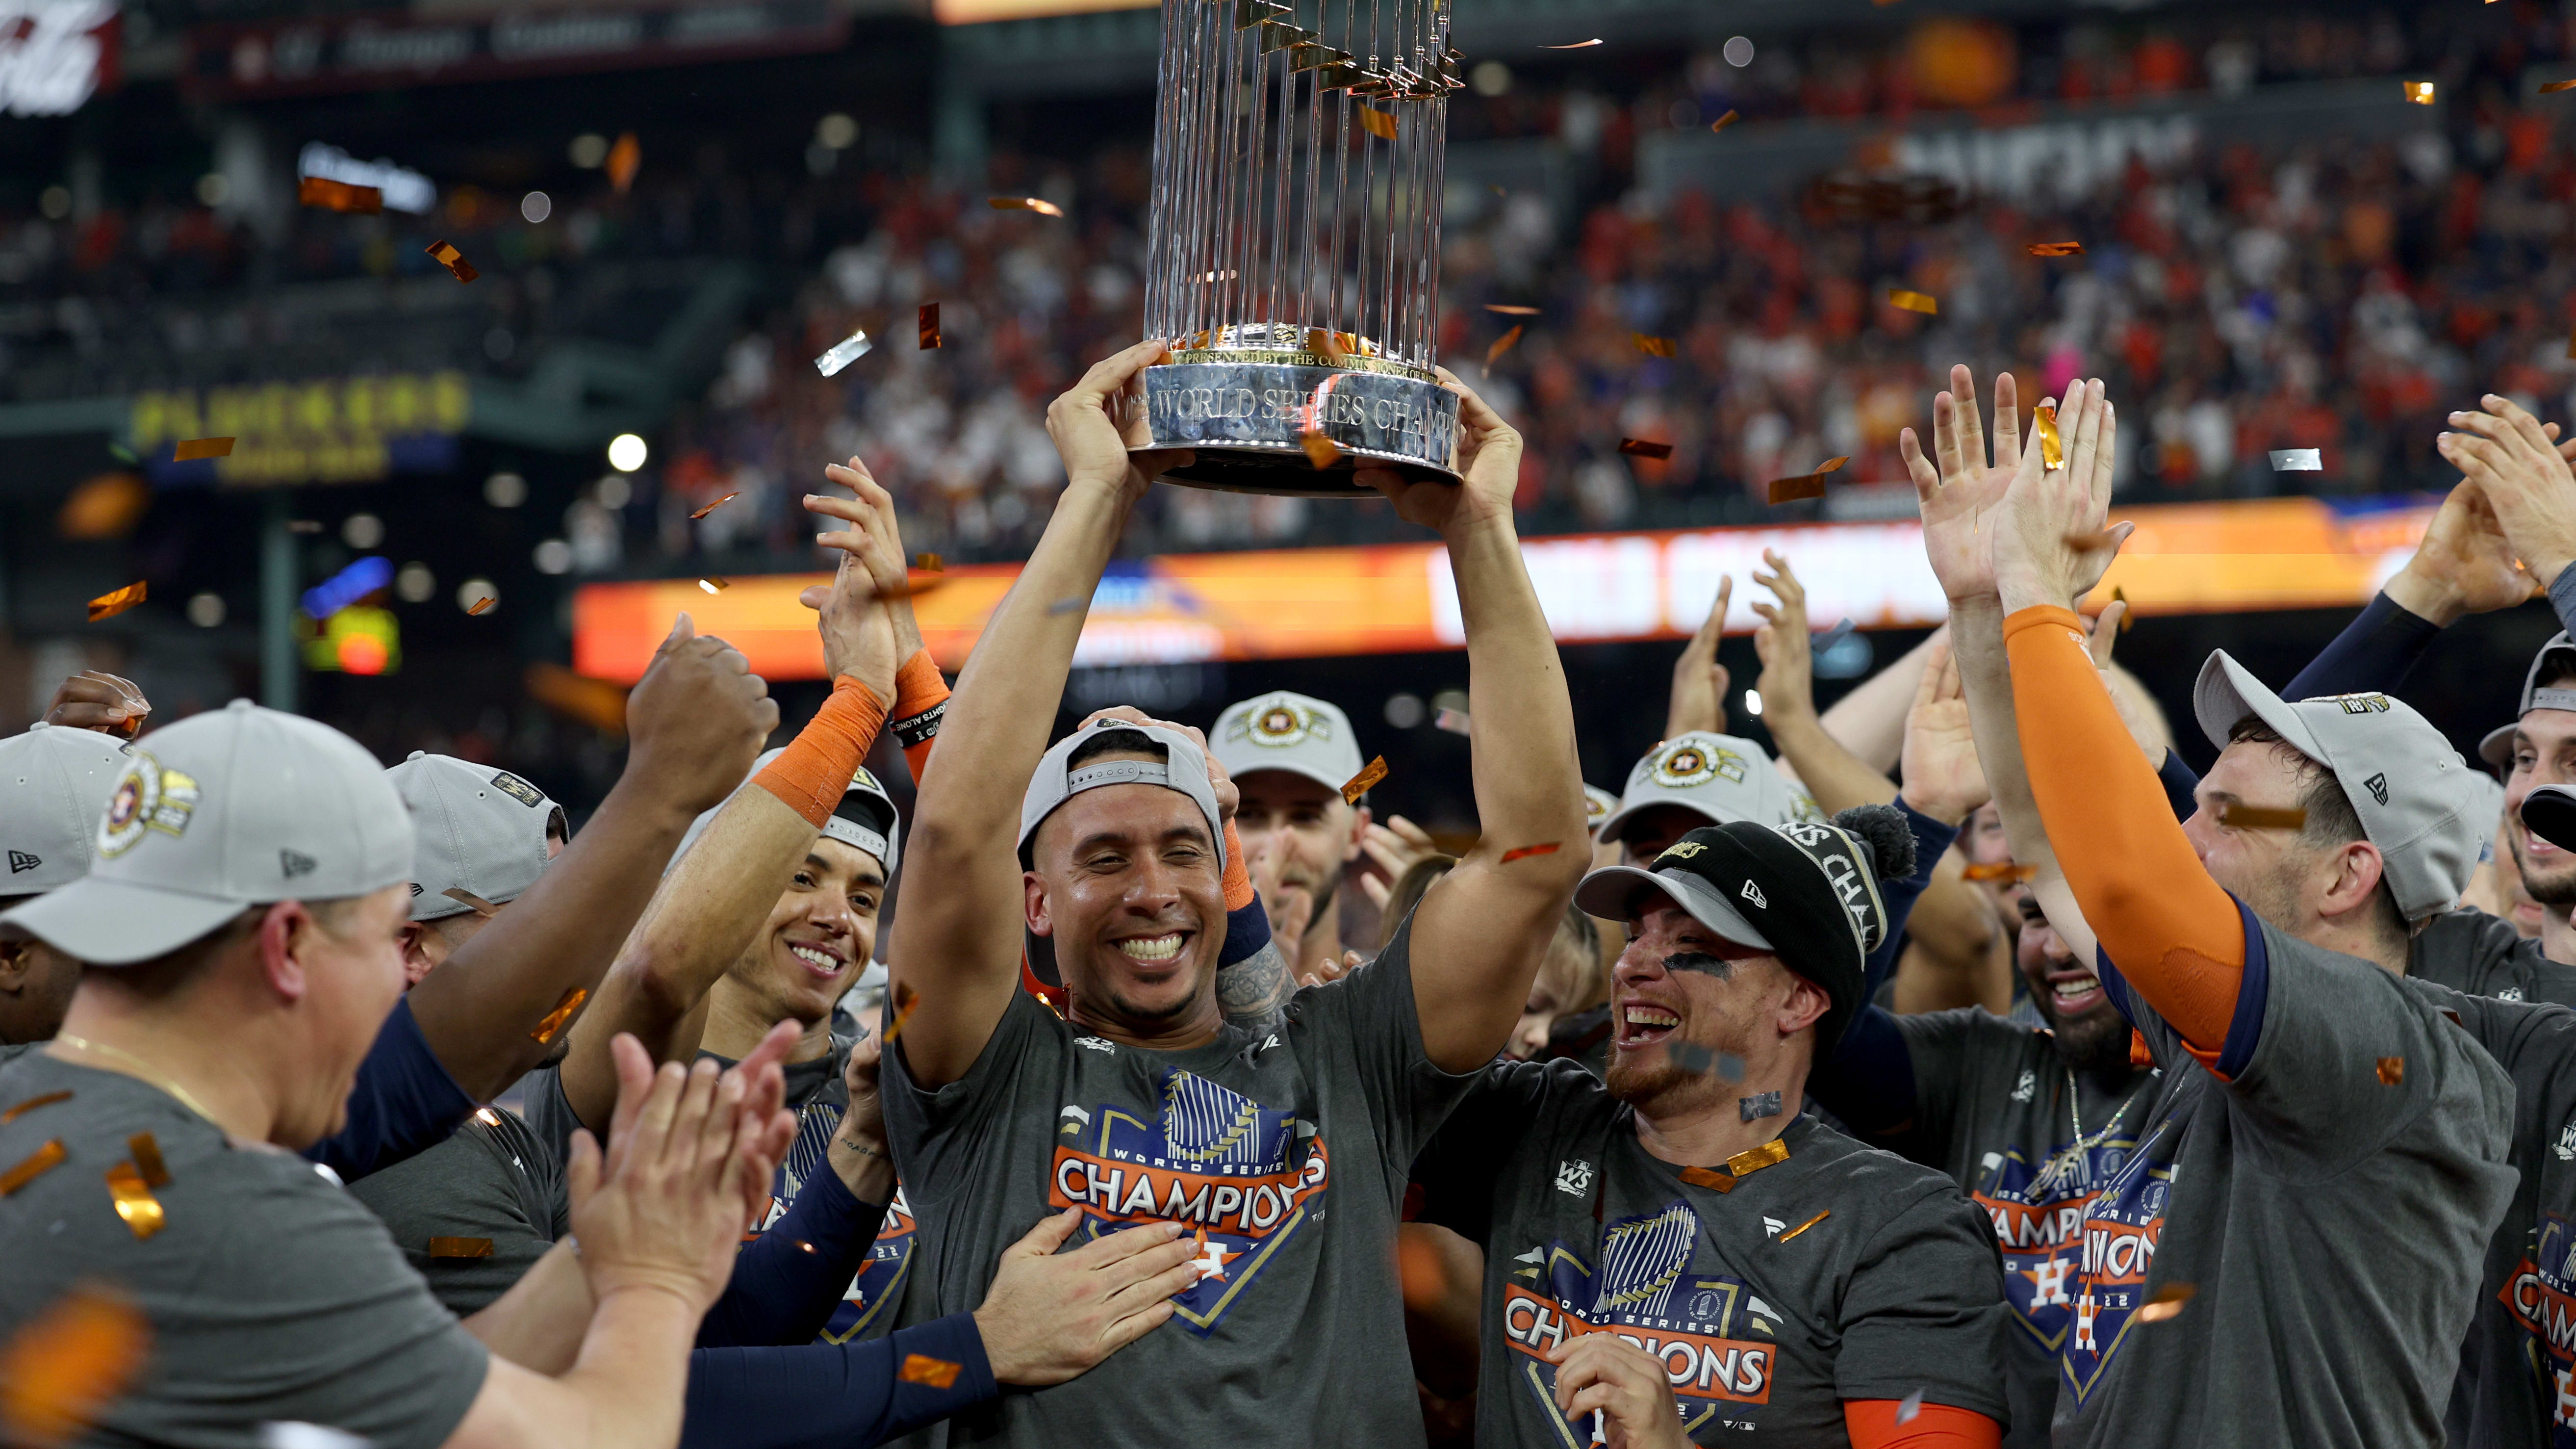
[[1961, 493]]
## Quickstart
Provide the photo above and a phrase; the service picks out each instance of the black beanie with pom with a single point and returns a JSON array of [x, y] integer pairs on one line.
[[1808, 889]]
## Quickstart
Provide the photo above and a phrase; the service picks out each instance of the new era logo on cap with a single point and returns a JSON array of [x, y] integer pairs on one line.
[[2377, 785], [292, 863], [21, 861]]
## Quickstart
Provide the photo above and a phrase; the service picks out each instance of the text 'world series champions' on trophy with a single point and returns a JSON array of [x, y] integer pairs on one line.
[[1295, 243]]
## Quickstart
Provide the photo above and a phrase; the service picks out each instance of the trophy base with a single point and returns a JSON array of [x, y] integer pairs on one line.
[[1247, 422]]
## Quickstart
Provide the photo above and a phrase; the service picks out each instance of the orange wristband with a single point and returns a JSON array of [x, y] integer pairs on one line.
[[920, 702], [1237, 881], [813, 772]]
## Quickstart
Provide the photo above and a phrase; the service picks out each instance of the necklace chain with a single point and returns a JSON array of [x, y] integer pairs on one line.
[[2061, 1162], [142, 1069]]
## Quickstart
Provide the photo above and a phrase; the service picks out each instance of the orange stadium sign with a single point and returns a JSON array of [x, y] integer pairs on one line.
[[2288, 553]]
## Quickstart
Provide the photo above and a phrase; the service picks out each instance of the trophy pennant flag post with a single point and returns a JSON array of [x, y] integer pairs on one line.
[[1294, 246]]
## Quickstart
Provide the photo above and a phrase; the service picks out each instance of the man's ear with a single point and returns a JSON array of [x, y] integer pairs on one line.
[[2358, 870], [16, 958], [1360, 819], [1806, 1004], [417, 960], [286, 933], [1034, 903]]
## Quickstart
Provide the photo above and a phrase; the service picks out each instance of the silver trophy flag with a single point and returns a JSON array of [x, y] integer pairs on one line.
[[1295, 242]]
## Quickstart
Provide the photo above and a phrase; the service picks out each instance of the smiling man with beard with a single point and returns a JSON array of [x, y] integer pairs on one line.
[[1681, 1248]]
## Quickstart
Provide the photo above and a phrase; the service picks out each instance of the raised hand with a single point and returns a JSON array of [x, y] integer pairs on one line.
[[97, 700], [1094, 421], [1943, 778], [2525, 476], [1389, 851], [1788, 682], [855, 610], [1698, 700], [1602, 1373], [858, 1151], [1051, 1316], [662, 1210], [1228, 795], [1957, 489], [1489, 468], [2049, 544], [697, 719], [2465, 565]]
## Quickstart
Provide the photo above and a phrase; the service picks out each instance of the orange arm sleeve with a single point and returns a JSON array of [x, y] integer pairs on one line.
[[813, 772], [2174, 934], [920, 700], [1871, 1423]]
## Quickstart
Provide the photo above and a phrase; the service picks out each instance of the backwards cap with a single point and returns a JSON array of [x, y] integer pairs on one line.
[[54, 781], [236, 807], [2410, 788], [478, 830], [1182, 768], [865, 819]]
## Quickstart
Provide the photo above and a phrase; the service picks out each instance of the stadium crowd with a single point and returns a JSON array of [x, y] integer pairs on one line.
[[1970, 1073]]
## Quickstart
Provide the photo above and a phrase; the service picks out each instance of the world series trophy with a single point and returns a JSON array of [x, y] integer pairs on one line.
[[1294, 247]]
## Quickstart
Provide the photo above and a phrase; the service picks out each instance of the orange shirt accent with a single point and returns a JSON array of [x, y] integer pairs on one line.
[[2174, 934], [1871, 1423]]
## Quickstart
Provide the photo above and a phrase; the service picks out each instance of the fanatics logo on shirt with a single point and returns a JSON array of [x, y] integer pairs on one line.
[[1212, 1158]]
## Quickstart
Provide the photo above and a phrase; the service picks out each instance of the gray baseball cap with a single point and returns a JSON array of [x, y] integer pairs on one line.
[[1720, 777], [480, 830], [2412, 791], [232, 808], [1183, 768], [2497, 748], [1598, 806], [865, 819], [1283, 730], [54, 781]]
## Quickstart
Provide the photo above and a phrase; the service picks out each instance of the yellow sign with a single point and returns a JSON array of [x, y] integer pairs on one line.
[[331, 430]]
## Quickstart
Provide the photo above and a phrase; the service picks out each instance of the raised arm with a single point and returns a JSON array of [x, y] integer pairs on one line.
[[1698, 700], [1870, 717], [712, 901], [958, 946], [2514, 459], [1480, 932], [695, 721]]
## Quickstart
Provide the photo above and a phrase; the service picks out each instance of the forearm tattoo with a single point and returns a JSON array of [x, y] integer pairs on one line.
[[1254, 992]]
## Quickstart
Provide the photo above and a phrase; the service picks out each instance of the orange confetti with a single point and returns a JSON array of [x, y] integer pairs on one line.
[[2392, 1071], [929, 562], [460, 1247], [929, 325], [1504, 343], [921, 1368], [483, 605], [1511, 309], [471, 901], [1810, 485], [330, 195], [2057, 249], [1809, 1223], [1025, 203], [624, 159], [905, 999], [134, 1200], [60, 1371], [2003, 870], [31, 1104], [195, 448], [2052, 452], [1922, 302], [1640, 448], [715, 584], [34, 1165], [1377, 123], [108, 606], [452, 259], [1577, 45], [907, 589], [1722, 122], [561, 1017], [2128, 617], [1328, 343], [712, 507], [2165, 1302], [1516, 853], [147, 1159], [1358, 785], [2551, 88], [2255, 817], [2419, 92], [1656, 346], [1320, 450]]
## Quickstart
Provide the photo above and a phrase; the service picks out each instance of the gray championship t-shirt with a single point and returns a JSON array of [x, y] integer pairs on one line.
[[1288, 1149], [2323, 1195], [818, 1095], [2515, 1389], [2032, 1142], [477, 1211], [2473, 952], [272, 1296], [1839, 1272]]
